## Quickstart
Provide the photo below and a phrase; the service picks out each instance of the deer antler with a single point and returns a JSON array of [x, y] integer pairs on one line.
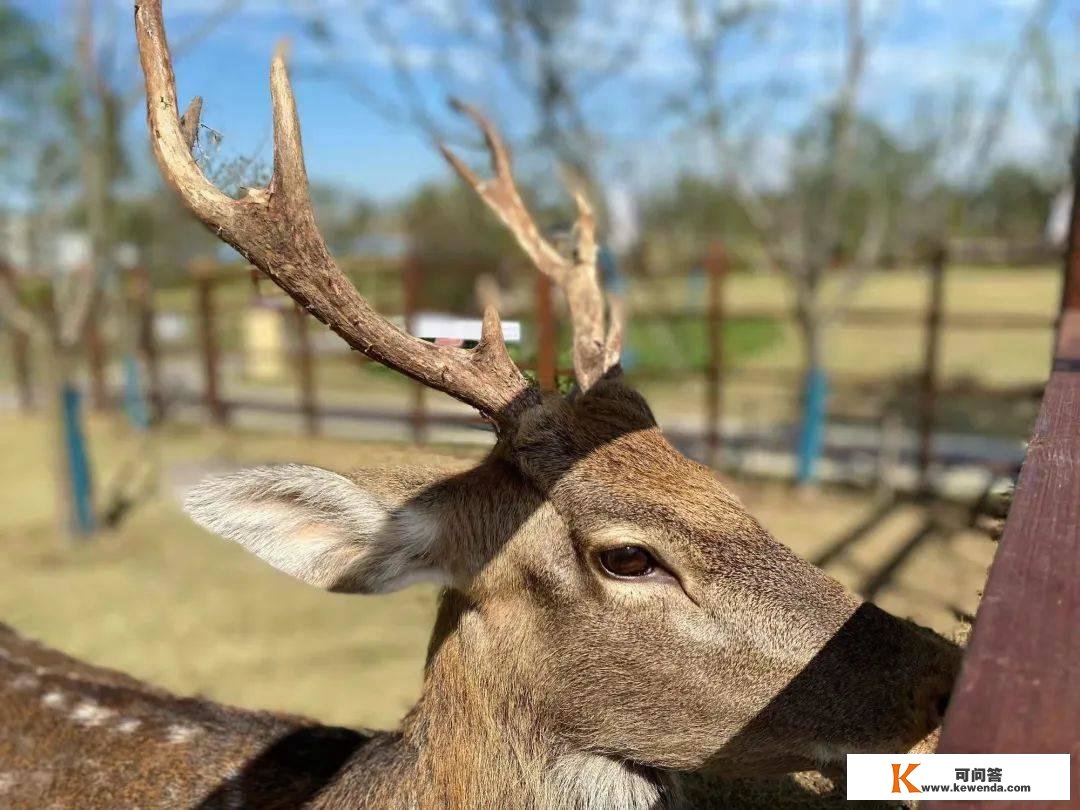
[[274, 228], [595, 353]]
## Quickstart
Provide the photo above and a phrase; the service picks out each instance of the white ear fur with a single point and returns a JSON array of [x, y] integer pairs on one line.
[[319, 527]]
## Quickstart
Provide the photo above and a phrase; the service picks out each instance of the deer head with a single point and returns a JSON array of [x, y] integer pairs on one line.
[[605, 597]]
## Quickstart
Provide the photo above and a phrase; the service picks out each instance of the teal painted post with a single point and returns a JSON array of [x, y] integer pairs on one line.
[[82, 517], [812, 432]]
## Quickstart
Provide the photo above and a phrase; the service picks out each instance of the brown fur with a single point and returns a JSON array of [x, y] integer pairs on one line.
[[548, 684]]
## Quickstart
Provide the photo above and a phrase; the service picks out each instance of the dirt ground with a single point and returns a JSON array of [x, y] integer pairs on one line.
[[163, 600]]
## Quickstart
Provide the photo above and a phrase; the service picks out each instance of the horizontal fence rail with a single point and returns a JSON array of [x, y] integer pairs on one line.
[[213, 304]]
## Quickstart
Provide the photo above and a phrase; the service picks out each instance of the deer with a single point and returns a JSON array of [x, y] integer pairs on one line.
[[612, 620]]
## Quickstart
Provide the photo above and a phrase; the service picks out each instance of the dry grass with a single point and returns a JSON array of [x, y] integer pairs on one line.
[[163, 600]]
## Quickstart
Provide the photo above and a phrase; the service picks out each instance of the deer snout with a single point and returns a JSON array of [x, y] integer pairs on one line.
[[935, 687], [896, 690]]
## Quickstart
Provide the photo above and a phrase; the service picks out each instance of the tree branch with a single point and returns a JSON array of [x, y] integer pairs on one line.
[[13, 307]]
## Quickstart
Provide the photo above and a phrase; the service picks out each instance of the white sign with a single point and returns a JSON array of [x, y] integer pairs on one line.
[[434, 326], [958, 777]]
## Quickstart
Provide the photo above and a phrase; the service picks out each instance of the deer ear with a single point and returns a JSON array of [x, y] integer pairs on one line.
[[320, 527]]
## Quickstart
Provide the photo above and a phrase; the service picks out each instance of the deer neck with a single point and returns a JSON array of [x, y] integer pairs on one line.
[[480, 742]]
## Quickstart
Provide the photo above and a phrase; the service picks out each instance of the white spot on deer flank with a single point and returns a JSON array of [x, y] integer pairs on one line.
[[24, 682], [7, 782], [127, 725], [181, 733], [91, 714], [54, 700]]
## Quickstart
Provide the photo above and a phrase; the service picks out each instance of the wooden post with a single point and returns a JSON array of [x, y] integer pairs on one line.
[[546, 339], [96, 356], [931, 356], [211, 357], [305, 372], [1017, 688], [411, 279], [716, 266], [146, 338], [890, 446], [24, 385], [1070, 290]]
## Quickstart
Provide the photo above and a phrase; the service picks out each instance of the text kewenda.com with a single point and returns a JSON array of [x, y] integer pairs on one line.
[[958, 788]]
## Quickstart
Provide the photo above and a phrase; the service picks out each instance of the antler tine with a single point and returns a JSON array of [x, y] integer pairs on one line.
[[275, 229], [594, 352], [501, 195], [500, 155], [290, 175], [616, 324]]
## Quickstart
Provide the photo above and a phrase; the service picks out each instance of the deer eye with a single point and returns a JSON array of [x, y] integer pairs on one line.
[[627, 561]]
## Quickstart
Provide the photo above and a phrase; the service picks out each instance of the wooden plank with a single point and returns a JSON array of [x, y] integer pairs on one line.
[[305, 372], [928, 383], [146, 339], [24, 381], [546, 335], [716, 263], [869, 317], [208, 344], [1019, 690], [97, 360], [412, 286], [1070, 290]]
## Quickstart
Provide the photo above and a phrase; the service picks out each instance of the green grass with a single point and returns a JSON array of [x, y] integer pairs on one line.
[[666, 345], [685, 344]]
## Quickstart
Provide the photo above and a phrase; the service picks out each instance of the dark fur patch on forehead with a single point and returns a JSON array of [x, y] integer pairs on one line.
[[601, 456], [562, 432]]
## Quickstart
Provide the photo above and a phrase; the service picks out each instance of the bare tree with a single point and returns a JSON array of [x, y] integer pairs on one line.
[[801, 232], [802, 248], [542, 51], [90, 122]]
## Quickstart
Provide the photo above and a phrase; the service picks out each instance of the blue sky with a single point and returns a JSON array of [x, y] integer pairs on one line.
[[920, 49]]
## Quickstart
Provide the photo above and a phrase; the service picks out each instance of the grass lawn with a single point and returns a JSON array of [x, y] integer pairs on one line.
[[165, 601]]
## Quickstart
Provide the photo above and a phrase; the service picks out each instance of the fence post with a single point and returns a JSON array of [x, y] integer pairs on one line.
[[546, 348], [928, 388], [146, 338], [305, 372], [716, 265], [1070, 290], [203, 274], [411, 279], [24, 385], [96, 359]]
